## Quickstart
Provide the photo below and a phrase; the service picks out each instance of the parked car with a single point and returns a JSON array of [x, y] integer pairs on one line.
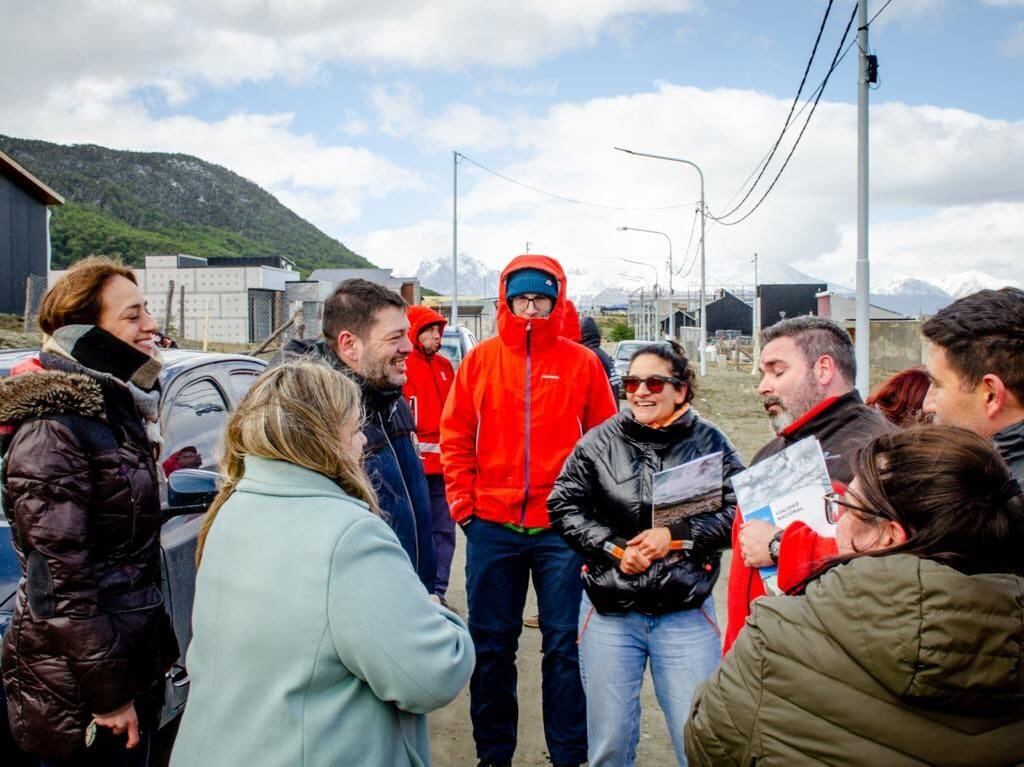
[[624, 351], [199, 390], [456, 343]]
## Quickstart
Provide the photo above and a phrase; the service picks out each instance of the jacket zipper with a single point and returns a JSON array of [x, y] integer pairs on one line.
[[405, 487], [526, 489]]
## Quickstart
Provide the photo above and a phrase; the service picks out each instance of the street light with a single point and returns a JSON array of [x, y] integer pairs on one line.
[[654, 320], [703, 274], [671, 294]]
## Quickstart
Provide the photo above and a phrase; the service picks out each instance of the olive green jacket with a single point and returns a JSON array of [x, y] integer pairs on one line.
[[889, 660]]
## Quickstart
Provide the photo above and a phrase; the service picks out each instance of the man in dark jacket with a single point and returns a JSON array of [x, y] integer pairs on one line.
[[976, 367], [808, 369], [592, 340], [366, 337]]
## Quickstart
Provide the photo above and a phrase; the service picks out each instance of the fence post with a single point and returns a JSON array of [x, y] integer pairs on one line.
[[181, 310], [170, 306], [28, 304]]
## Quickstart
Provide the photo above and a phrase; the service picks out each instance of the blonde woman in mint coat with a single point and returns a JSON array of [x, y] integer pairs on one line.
[[314, 642]]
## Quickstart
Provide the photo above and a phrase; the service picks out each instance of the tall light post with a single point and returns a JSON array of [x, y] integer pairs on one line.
[[703, 274], [455, 240], [671, 294], [654, 320]]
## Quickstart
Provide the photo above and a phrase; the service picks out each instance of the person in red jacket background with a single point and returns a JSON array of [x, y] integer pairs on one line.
[[807, 372], [520, 403], [430, 377]]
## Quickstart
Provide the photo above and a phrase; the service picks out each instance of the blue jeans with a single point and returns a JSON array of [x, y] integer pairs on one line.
[[443, 532], [684, 648], [499, 565]]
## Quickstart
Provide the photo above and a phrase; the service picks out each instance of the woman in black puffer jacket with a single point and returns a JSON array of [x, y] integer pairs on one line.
[[89, 640], [647, 588]]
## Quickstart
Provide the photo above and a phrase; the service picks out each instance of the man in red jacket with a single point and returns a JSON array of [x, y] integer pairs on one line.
[[520, 403], [430, 376], [807, 373]]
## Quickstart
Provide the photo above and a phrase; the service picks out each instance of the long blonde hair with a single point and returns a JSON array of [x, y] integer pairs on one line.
[[294, 413]]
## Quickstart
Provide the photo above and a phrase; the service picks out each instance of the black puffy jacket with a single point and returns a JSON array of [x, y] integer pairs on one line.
[[89, 631], [604, 495]]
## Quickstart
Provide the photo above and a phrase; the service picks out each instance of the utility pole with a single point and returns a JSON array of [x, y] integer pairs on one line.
[[863, 314], [757, 323], [455, 240]]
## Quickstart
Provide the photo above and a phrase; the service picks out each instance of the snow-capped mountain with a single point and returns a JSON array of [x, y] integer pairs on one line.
[[964, 283], [475, 277]]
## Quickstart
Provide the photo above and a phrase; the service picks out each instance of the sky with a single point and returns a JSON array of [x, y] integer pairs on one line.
[[349, 113]]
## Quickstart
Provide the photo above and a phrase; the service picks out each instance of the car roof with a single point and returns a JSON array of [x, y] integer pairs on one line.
[[176, 361]]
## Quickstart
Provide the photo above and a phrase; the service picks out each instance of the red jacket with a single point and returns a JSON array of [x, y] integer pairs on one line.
[[571, 323], [430, 379], [841, 424], [520, 403]]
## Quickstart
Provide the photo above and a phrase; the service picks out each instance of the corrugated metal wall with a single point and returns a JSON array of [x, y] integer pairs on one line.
[[22, 245]]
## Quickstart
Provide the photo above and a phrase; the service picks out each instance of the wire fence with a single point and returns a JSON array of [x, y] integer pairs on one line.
[[35, 289]]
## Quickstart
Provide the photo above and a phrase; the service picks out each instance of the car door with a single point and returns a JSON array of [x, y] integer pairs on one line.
[[194, 415]]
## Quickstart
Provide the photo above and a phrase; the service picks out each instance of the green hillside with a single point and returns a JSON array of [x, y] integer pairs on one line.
[[132, 204]]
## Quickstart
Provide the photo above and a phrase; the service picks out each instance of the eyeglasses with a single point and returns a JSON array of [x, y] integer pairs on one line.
[[654, 384], [836, 502], [540, 303]]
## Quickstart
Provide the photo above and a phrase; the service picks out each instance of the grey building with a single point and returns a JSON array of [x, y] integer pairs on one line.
[[24, 232]]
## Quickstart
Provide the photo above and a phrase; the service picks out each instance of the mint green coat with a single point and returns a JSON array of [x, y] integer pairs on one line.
[[314, 642]]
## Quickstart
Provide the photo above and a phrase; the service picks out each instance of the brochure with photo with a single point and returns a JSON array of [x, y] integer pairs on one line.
[[788, 487], [682, 491]]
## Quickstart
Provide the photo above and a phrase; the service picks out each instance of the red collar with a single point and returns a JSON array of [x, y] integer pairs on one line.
[[807, 417]]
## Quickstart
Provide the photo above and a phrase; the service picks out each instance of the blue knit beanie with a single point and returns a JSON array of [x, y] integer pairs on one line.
[[531, 281]]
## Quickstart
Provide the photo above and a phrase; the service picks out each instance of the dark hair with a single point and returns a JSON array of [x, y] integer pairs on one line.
[[900, 397], [675, 356], [817, 337], [353, 306], [77, 297], [950, 491], [983, 333]]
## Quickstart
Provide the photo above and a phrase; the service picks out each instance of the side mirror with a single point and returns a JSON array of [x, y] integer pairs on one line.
[[191, 491]]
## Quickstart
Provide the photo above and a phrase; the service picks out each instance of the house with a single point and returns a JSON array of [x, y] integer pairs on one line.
[[728, 312], [25, 240], [407, 287]]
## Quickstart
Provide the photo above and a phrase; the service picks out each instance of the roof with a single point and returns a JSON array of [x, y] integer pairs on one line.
[[17, 175]]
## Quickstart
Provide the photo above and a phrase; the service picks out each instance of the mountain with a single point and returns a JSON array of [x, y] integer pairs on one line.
[[475, 277], [132, 204], [964, 283]]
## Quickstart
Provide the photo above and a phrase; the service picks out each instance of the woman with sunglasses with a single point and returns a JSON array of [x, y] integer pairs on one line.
[[904, 650], [647, 589]]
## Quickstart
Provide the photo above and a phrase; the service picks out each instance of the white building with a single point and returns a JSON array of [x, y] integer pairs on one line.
[[230, 300]]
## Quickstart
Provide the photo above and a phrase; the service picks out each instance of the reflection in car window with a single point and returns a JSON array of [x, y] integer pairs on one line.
[[241, 380], [450, 348], [194, 423]]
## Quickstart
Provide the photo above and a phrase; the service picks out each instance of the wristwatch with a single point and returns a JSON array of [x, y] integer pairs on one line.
[[773, 547]]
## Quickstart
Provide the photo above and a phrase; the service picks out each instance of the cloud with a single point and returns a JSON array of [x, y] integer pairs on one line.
[[1013, 44], [945, 187], [222, 43]]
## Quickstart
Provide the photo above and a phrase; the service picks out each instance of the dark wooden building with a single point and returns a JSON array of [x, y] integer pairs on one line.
[[779, 302], [683, 320], [730, 313], [24, 232]]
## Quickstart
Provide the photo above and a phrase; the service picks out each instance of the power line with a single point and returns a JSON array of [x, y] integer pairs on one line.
[[686, 250], [785, 126], [562, 197], [839, 56]]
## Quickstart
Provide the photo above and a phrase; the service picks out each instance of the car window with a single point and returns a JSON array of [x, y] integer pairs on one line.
[[626, 351], [241, 380], [194, 423], [450, 348]]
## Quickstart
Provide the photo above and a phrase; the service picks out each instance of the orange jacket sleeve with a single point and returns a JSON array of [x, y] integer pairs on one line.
[[459, 421]]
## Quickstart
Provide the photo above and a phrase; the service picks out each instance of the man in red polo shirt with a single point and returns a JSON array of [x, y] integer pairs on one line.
[[430, 376], [807, 372]]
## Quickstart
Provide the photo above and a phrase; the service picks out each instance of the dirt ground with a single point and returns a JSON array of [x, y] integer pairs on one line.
[[729, 399]]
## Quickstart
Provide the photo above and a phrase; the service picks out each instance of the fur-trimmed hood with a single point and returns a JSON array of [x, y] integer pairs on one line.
[[49, 392]]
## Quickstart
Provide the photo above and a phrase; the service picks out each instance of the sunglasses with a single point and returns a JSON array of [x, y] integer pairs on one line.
[[654, 384], [835, 503]]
